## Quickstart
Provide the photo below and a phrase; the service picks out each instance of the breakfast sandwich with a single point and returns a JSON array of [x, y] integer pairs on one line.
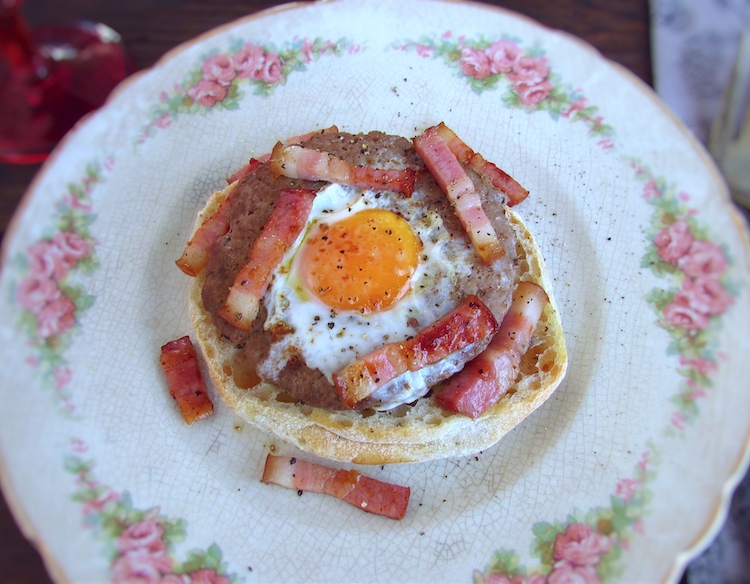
[[374, 299]]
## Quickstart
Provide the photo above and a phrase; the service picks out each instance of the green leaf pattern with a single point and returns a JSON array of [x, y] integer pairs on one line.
[[52, 301], [220, 79], [139, 543], [588, 545], [523, 73], [50, 298], [697, 291]]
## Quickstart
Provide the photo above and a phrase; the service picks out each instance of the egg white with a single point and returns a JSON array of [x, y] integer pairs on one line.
[[329, 339]]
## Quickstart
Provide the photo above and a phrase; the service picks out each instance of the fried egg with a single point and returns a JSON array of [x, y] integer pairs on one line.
[[369, 268]]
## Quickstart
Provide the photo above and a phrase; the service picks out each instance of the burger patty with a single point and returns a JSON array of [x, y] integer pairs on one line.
[[252, 204]]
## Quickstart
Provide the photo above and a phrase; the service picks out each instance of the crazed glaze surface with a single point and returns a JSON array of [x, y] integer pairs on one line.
[[650, 267]]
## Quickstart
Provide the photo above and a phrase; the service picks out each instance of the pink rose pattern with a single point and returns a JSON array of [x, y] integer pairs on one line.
[[218, 81], [699, 294], [50, 304], [673, 241], [690, 308], [498, 578], [141, 542], [531, 81], [146, 535], [583, 550], [577, 550], [50, 261], [586, 548], [580, 546]]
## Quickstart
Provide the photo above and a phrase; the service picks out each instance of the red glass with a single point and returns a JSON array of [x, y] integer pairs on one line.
[[50, 77]]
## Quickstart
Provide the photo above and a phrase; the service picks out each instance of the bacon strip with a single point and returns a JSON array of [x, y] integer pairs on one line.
[[186, 385], [363, 492], [295, 161], [280, 232], [498, 177], [195, 256], [249, 168], [256, 162], [469, 323], [486, 378], [455, 183]]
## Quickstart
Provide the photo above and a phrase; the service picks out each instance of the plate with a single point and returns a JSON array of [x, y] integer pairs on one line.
[[622, 475]]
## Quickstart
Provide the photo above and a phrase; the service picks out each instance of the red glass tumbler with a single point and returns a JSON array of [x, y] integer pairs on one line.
[[50, 77]]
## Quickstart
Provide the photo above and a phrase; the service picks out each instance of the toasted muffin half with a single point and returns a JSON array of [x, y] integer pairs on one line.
[[415, 431]]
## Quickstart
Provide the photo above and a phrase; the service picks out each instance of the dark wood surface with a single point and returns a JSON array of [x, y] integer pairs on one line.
[[618, 28]]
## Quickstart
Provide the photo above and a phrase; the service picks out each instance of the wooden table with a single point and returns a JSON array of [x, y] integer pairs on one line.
[[618, 28]]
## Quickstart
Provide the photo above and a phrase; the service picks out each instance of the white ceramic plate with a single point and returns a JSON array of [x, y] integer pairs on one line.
[[621, 475]]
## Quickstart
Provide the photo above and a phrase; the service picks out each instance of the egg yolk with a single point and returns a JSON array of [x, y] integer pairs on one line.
[[364, 262]]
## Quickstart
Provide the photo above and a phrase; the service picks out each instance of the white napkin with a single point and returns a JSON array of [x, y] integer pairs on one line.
[[694, 43]]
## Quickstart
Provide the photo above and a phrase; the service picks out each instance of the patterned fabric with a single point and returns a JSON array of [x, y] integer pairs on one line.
[[694, 43]]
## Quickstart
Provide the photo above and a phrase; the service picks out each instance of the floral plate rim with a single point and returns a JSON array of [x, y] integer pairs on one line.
[[728, 486]]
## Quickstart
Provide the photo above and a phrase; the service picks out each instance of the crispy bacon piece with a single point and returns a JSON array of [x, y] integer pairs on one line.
[[249, 168], [498, 177], [195, 256], [363, 492], [486, 378], [444, 166], [295, 161], [468, 323], [359, 380], [282, 229], [256, 162], [186, 385]]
